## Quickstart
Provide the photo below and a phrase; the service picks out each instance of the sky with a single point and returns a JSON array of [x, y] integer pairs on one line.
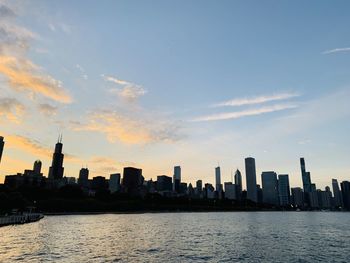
[[154, 84]]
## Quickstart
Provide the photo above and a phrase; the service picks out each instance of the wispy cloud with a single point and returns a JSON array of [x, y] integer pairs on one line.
[[336, 50], [47, 109], [129, 91], [245, 113], [256, 100], [22, 74], [130, 128], [28, 145], [11, 109]]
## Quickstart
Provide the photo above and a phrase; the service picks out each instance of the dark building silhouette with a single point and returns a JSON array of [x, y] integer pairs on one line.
[[164, 183], [56, 169], [2, 143], [269, 187], [305, 177], [132, 180], [37, 167], [250, 171], [283, 190], [83, 179], [345, 189], [238, 184], [177, 179], [114, 182], [99, 183], [338, 199], [297, 197]]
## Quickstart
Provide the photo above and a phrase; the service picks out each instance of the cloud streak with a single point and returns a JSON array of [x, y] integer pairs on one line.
[[245, 113], [11, 109], [129, 129], [336, 50], [129, 91], [256, 100], [22, 74]]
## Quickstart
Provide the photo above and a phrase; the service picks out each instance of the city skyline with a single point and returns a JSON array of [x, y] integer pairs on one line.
[[194, 90]]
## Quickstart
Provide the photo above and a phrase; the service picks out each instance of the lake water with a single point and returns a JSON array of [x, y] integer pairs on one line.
[[181, 237]]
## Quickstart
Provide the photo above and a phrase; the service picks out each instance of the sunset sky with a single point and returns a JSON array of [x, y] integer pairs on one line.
[[153, 84]]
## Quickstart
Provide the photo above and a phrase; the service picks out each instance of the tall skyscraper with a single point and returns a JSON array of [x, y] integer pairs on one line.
[[199, 185], [177, 179], [305, 177], [83, 179], [114, 182], [37, 167], [250, 172], [238, 184], [218, 179], [338, 199], [56, 169], [283, 190], [132, 180], [269, 187], [2, 143], [345, 190], [297, 197]]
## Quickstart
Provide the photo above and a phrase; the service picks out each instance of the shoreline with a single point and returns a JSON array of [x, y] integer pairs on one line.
[[176, 212]]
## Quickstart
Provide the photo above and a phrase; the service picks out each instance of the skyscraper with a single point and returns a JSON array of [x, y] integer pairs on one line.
[[338, 200], [177, 179], [2, 143], [238, 184], [297, 197], [269, 187], [56, 169], [250, 172], [114, 182], [283, 190], [132, 180], [345, 190], [83, 179], [218, 186], [37, 167], [305, 176]]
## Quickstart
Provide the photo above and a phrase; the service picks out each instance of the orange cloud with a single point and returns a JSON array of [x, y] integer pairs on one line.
[[129, 129], [11, 109], [24, 75]]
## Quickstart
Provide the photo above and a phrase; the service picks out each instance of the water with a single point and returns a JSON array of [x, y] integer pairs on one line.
[[181, 237]]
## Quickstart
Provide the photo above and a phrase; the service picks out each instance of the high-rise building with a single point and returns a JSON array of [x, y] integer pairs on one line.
[[218, 185], [56, 169], [37, 167], [164, 183], [238, 184], [217, 178], [283, 190], [177, 179], [132, 180], [297, 197], [338, 200], [83, 179], [199, 185], [345, 190], [230, 191], [269, 187], [2, 143], [99, 183], [250, 172], [114, 182], [305, 176]]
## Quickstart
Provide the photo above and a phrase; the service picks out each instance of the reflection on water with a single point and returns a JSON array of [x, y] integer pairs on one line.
[[181, 237]]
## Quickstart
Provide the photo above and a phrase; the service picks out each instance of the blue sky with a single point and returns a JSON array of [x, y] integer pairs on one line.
[[161, 83]]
